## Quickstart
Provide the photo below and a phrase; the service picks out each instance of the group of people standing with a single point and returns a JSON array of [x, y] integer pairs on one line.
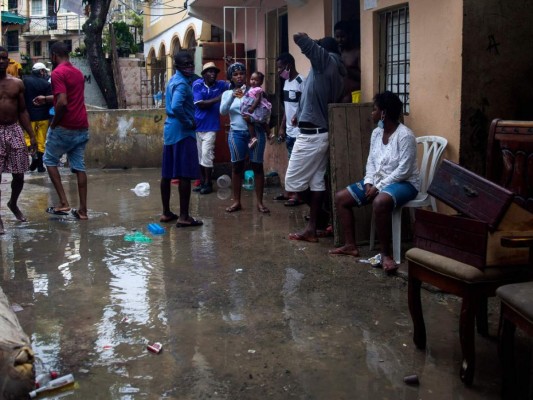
[[66, 133], [391, 177], [193, 107]]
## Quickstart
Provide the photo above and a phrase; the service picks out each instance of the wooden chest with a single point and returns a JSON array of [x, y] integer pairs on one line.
[[487, 213]]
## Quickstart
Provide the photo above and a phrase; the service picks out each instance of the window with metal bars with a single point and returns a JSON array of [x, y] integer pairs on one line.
[[395, 53]]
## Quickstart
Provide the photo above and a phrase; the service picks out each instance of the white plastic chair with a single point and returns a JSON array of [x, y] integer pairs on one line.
[[433, 147]]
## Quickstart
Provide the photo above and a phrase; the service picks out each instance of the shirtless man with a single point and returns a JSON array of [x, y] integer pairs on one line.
[[13, 150], [350, 54]]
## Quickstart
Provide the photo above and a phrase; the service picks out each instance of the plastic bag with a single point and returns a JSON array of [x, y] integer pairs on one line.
[[142, 189]]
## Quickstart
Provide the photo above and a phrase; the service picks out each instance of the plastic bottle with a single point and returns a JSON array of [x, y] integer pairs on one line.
[[53, 385], [156, 229], [43, 379], [249, 181], [223, 181]]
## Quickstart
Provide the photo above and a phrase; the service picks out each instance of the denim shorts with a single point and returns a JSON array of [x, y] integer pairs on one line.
[[401, 192], [238, 145], [61, 141]]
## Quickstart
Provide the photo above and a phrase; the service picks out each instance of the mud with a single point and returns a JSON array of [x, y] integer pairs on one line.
[[241, 312]]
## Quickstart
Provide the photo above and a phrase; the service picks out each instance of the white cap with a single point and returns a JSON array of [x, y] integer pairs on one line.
[[39, 66]]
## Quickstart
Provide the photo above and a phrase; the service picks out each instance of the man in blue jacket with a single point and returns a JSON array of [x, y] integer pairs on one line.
[[180, 156], [309, 158]]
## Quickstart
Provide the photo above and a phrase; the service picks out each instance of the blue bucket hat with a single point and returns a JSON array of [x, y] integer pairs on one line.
[[235, 67]]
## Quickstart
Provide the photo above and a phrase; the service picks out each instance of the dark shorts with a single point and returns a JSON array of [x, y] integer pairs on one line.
[[401, 192], [13, 151], [180, 160]]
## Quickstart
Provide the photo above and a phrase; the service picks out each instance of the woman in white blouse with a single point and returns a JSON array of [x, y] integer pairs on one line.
[[391, 179]]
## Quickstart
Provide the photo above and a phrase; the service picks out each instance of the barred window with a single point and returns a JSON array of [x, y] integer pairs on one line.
[[395, 53], [12, 41], [37, 7]]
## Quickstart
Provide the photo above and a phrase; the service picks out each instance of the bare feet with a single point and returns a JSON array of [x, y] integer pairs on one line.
[[346, 250], [16, 211], [388, 264], [2, 231]]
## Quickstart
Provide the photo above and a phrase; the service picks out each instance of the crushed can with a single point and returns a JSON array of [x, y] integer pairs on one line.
[[155, 347]]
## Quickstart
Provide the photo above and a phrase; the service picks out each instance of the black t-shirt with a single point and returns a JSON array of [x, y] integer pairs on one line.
[[36, 86]]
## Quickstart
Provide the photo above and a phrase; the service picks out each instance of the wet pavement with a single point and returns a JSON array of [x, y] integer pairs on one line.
[[241, 312]]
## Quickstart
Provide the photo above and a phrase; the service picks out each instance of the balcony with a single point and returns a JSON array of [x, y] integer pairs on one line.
[[55, 25]]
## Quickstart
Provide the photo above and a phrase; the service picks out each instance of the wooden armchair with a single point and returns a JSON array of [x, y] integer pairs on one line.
[[457, 270]]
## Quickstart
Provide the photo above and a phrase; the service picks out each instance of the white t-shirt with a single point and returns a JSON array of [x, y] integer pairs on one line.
[[292, 92]]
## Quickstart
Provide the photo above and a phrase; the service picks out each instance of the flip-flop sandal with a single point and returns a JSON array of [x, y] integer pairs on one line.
[[52, 210], [263, 210], [231, 209], [293, 203], [75, 213], [299, 236], [194, 222], [281, 197], [168, 218]]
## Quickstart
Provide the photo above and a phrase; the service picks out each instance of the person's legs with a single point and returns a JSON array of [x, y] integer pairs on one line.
[[55, 177], [16, 188], [253, 136], [82, 193], [165, 187], [185, 198], [345, 203], [259, 177], [200, 148], [236, 182], [238, 146], [382, 206]]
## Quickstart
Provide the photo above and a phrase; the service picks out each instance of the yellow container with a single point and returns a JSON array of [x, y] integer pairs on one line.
[[356, 96]]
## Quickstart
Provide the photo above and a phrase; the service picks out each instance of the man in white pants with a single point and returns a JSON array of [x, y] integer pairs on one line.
[[309, 158], [207, 92]]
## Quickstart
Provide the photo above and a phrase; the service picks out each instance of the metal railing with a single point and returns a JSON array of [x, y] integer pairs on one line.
[[56, 23]]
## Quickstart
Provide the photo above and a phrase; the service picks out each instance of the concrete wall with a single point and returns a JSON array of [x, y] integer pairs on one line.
[[497, 70], [125, 138], [436, 45]]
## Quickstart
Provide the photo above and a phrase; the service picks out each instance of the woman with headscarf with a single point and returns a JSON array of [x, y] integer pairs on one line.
[[239, 137]]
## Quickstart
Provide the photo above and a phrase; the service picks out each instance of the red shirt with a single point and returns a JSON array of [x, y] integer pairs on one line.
[[69, 80]]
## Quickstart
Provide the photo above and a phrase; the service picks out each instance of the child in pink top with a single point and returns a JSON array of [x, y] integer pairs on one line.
[[255, 107]]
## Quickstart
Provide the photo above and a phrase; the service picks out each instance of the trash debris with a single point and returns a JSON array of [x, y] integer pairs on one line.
[[156, 229], [16, 307], [249, 180], [411, 379], [251, 351], [223, 181], [155, 347], [142, 189], [373, 261], [43, 379], [138, 237], [238, 270], [54, 385]]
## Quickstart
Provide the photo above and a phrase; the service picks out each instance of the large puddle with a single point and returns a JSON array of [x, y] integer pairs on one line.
[[241, 312]]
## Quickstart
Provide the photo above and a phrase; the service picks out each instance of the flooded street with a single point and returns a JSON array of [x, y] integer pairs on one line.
[[241, 312]]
